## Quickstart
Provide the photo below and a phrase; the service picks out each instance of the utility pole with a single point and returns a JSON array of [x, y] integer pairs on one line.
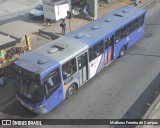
[[92, 8]]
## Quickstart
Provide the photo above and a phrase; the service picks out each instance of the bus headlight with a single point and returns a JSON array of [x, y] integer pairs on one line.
[[41, 106]]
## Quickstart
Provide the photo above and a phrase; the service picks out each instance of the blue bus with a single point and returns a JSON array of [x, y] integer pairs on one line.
[[49, 74]]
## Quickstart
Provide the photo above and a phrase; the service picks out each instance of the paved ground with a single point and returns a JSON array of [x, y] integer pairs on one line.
[[8, 89]]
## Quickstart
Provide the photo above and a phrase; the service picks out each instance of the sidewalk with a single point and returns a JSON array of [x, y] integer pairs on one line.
[[154, 113], [7, 93], [9, 7]]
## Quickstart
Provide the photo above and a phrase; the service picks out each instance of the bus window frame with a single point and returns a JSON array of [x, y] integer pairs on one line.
[[64, 70], [141, 20], [126, 30], [96, 50], [137, 23], [109, 41], [119, 35], [49, 92]]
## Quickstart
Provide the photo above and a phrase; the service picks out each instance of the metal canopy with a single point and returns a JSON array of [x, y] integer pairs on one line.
[[18, 29], [6, 42]]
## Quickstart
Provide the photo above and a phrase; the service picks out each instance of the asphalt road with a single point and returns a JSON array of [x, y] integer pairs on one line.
[[119, 91], [17, 10]]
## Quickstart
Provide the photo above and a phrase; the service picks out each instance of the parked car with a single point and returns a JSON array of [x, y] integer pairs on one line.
[[37, 12]]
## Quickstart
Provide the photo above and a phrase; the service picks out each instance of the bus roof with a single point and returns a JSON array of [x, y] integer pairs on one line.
[[106, 25], [62, 49], [53, 54], [36, 62]]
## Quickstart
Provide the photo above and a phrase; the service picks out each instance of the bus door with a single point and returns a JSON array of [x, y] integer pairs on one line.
[[109, 48], [83, 68]]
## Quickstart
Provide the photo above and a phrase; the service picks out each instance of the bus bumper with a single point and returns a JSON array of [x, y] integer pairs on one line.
[[35, 110], [39, 110]]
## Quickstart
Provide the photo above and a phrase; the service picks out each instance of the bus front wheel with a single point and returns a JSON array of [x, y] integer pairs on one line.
[[70, 90], [122, 51]]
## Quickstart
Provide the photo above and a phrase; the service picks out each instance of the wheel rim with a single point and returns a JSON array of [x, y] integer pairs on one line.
[[70, 90]]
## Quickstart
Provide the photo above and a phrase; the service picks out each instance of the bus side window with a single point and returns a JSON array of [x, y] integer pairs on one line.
[[97, 50], [137, 23], [52, 82], [126, 30], [69, 68], [130, 28], [133, 25], [109, 42], [119, 35], [141, 20]]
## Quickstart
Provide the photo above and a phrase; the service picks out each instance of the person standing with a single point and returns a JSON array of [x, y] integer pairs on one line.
[[84, 12], [135, 2], [63, 25]]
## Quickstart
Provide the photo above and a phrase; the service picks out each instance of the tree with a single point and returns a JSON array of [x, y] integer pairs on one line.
[[83, 3]]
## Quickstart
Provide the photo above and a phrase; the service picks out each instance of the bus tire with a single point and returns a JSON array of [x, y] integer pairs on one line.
[[122, 51], [71, 89]]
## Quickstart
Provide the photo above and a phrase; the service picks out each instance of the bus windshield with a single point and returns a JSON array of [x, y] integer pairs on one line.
[[27, 86]]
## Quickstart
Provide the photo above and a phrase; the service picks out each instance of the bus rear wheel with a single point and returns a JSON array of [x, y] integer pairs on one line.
[[122, 51], [70, 91]]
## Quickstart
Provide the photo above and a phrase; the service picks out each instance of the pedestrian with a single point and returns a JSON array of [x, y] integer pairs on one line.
[[85, 11], [2, 82], [63, 25], [135, 2]]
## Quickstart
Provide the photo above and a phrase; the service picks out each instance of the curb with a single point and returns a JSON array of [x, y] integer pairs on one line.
[[150, 111], [152, 108]]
